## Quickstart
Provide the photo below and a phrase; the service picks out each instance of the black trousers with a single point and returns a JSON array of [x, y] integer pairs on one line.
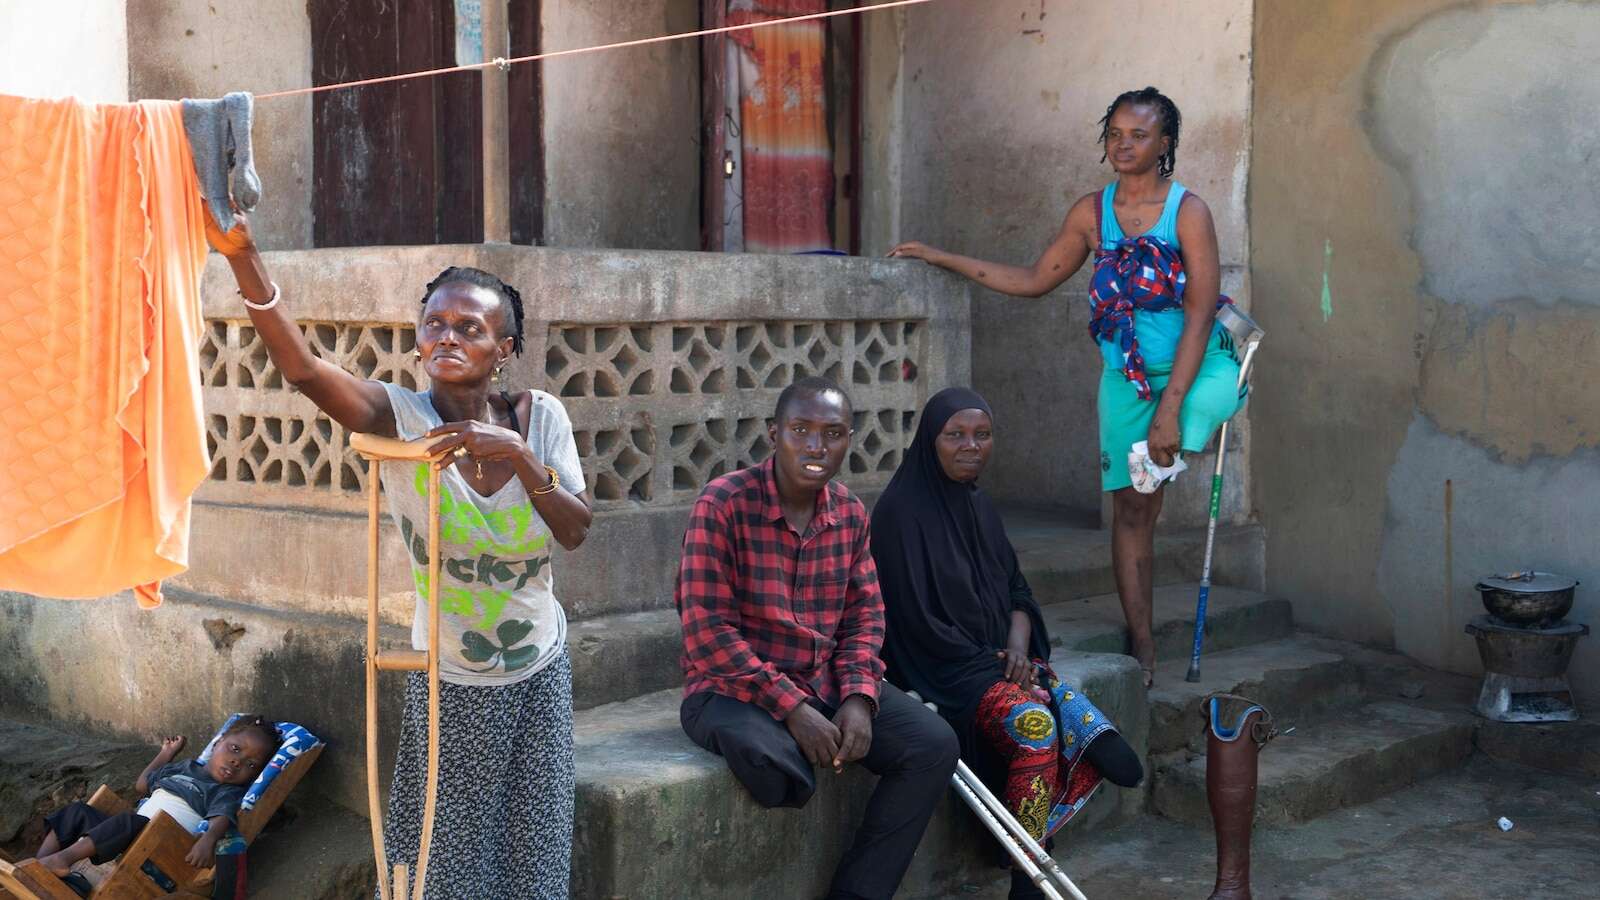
[[913, 752], [111, 834]]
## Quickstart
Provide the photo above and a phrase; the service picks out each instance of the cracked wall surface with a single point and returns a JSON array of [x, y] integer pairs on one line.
[[1424, 215], [1489, 113]]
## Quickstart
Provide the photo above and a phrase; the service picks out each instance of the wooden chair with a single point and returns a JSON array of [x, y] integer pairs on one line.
[[153, 867]]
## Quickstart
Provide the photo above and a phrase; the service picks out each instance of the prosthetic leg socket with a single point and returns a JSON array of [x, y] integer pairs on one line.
[[1231, 786]]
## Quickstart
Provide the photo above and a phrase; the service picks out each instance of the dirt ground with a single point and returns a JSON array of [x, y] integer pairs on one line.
[[1438, 839]]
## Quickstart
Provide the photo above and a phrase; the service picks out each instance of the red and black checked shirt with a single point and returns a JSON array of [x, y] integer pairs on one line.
[[772, 617]]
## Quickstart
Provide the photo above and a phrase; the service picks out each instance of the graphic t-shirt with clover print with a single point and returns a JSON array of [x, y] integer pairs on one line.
[[499, 621]]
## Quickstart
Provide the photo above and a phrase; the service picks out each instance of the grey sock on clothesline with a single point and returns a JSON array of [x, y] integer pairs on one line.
[[219, 141]]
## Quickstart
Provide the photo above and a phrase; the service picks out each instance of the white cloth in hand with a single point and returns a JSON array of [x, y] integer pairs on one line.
[[1146, 474]]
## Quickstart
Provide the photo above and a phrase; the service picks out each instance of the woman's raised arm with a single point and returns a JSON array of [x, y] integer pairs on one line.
[[355, 403], [1056, 264]]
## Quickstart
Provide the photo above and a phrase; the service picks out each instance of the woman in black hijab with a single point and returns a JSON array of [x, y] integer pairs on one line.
[[964, 631]]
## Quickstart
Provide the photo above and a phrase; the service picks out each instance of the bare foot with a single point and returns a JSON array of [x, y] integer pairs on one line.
[[57, 866]]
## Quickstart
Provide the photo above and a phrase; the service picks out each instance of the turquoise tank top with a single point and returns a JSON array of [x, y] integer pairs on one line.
[[1158, 332]]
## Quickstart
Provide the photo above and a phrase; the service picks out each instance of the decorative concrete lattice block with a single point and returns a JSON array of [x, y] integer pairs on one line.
[[261, 432], [663, 408], [659, 409]]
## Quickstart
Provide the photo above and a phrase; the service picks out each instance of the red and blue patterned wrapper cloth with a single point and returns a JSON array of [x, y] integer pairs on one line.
[[1142, 273]]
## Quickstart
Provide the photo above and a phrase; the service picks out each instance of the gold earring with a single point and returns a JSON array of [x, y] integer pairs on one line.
[[417, 354]]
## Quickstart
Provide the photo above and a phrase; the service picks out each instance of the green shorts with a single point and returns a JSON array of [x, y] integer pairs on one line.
[[1125, 419]]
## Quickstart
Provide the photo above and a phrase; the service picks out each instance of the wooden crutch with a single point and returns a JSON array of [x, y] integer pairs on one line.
[[375, 450]]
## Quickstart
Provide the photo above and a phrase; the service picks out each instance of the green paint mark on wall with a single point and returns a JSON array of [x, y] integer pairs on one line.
[[1327, 264]]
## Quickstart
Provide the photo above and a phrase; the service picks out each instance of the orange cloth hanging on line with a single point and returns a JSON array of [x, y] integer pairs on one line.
[[102, 437]]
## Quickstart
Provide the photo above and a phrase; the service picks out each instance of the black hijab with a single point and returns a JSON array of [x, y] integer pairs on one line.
[[949, 575]]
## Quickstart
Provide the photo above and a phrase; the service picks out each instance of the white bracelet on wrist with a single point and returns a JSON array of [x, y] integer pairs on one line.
[[261, 307]]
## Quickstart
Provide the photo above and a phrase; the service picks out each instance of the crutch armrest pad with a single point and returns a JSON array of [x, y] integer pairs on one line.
[[373, 446]]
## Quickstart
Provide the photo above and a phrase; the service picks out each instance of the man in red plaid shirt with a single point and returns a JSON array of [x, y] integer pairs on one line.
[[782, 625]]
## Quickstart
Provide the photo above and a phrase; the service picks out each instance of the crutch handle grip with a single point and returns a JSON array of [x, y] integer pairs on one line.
[[373, 446], [401, 660]]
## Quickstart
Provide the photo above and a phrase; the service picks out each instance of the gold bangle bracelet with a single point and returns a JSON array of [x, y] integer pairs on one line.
[[555, 482]]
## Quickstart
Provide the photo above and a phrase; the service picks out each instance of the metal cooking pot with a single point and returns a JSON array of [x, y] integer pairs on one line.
[[1528, 598]]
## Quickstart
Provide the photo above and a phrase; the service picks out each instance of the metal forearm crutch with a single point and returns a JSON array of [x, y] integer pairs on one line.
[[376, 450], [1246, 334], [1024, 850]]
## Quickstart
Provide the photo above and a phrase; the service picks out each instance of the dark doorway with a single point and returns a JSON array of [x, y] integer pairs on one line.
[[396, 163], [733, 148]]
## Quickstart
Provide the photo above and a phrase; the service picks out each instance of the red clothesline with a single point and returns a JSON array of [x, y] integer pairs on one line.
[[504, 63]]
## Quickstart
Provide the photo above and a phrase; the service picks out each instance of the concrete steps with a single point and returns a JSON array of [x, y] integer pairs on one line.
[[1295, 677], [626, 654], [662, 818], [1063, 562], [620, 656], [1352, 757], [1355, 724], [1235, 617], [1435, 840]]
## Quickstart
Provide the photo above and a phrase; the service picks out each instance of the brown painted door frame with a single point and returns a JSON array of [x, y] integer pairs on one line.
[[713, 124], [525, 124]]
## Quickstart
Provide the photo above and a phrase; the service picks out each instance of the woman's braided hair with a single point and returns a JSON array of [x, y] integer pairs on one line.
[[479, 278], [1171, 121]]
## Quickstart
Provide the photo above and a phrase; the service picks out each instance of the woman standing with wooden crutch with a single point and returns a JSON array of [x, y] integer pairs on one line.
[[510, 482]]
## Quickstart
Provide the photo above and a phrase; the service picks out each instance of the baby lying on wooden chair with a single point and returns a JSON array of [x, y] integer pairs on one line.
[[203, 797]]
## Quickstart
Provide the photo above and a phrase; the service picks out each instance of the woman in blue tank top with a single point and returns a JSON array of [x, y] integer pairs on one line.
[[1169, 375]]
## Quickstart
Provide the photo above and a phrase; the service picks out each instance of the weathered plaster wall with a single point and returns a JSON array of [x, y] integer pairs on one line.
[[1424, 221], [196, 48], [66, 48], [107, 666], [622, 128], [1000, 108]]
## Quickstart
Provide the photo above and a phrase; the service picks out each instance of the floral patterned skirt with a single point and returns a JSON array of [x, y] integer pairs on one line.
[[503, 824], [1041, 735]]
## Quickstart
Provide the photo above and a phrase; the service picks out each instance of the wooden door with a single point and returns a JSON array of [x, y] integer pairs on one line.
[[395, 163]]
